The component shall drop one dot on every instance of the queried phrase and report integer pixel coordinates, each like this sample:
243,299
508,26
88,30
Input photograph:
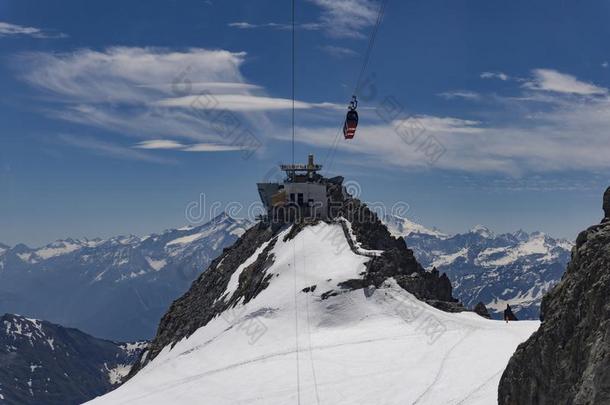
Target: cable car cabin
351,122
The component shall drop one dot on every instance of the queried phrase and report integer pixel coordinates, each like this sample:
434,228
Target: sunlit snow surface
287,346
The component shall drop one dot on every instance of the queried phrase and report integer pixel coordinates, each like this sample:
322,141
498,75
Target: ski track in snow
440,369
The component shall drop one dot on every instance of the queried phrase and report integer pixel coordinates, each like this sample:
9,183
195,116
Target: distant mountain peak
496,269
403,227
521,235
482,230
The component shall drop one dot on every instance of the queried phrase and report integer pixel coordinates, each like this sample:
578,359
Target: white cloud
338,51
338,18
244,25
571,136
201,87
209,147
110,149
128,74
469,95
347,18
150,93
8,29
239,102
159,144
495,75
552,80
197,147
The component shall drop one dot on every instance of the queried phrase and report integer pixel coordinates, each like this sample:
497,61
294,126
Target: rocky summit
250,257
329,310
567,361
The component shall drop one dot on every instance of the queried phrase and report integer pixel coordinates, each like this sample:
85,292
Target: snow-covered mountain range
116,288
512,268
44,363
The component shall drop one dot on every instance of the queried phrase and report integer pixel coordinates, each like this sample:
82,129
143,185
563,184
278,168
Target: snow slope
288,346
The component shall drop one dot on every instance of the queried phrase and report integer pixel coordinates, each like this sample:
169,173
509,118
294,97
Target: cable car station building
303,193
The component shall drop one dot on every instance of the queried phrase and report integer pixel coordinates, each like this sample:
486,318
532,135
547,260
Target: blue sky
472,111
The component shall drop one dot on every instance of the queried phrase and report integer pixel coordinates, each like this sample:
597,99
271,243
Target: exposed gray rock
397,260
606,204
481,309
203,300
567,361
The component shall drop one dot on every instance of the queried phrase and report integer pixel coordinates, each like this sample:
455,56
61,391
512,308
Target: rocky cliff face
606,205
567,361
251,256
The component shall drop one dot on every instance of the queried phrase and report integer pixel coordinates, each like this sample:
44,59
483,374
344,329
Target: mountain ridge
113,288
42,362
514,268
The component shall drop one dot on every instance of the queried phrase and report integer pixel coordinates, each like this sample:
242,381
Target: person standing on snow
508,314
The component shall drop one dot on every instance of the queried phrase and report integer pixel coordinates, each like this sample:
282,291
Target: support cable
331,153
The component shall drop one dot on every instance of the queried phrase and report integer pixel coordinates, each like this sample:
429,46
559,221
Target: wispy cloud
347,18
197,147
210,147
495,75
243,25
8,29
242,103
338,51
159,144
150,93
464,94
552,80
563,131
128,74
110,149
338,18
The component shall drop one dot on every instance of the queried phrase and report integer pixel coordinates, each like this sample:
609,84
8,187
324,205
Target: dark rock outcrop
202,302
606,204
397,260
567,361
481,310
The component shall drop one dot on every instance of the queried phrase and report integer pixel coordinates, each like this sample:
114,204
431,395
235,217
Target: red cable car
351,120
